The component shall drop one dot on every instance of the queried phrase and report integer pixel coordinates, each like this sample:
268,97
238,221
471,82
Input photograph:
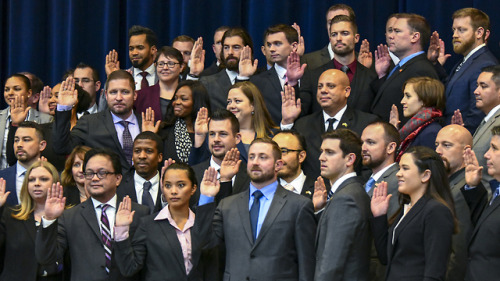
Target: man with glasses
87,77
85,232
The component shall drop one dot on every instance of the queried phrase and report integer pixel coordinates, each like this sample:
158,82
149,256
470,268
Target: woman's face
53,99
77,170
183,102
410,180
411,103
39,181
239,104
166,72
177,188
15,87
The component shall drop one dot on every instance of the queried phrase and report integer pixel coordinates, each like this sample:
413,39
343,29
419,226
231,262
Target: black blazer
127,187
422,242
211,70
9,175
168,136
217,86
317,58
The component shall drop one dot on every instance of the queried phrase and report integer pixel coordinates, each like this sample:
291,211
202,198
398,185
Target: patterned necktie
330,124
147,199
128,143
144,81
254,212
106,236
344,68
459,66
329,195
369,184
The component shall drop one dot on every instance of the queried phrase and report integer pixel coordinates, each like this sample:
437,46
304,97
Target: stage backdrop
47,37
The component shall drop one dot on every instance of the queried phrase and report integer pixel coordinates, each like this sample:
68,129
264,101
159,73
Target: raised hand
68,95
201,127
365,57
230,165
247,67
18,110
55,202
294,70
380,200
167,163
43,102
290,108
457,118
3,194
112,62
320,194
210,186
125,215
148,121
301,47
197,58
394,116
473,172
382,60
433,51
443,56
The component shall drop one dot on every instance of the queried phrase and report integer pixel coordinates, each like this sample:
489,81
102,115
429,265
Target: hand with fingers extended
290,107
473,172
18,110
230,165
457,118
125,215
247,66
55,202
43,103
394,116
320,195
380,200
167,163
148,121
210,185
201,127
365,57
68,95
197,58
382,60
294,71
3,194
112,63
301,47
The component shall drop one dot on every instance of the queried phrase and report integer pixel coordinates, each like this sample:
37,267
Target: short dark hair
495,131
34,125
240,32
147,135
95,73
349,142
276,150
290,33
121,74
106,152
344,18
200,99
478,18
342,7
183,38
418,23
222,114
151,38
495,70
391,134
36,82
300,138
429,90
221,28
23,77
67,73
170,52
184,167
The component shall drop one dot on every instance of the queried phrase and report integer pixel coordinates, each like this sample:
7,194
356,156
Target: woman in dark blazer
164,247
18,226
415,243
72,177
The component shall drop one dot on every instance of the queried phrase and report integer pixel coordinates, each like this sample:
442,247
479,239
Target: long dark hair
200,99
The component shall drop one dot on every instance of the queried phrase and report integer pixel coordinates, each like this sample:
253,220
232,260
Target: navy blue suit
9,175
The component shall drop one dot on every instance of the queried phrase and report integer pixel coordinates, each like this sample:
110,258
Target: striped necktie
106,236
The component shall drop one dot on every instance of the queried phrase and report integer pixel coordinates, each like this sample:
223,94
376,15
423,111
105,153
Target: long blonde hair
27,205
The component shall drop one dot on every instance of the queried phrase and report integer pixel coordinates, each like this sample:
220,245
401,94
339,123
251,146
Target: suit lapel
88,214
487,211
171,238
463,69
346,120
277,204
29,224
110,126
275,80
419,206
244,212
478,134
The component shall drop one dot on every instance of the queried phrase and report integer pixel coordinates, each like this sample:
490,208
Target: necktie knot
124,123
104,207
146,186
330,124
144,74
257,195
344,68
369,184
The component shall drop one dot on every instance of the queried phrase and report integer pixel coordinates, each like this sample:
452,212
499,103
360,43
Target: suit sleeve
11,157
51,242
477,200
305,233
63,137
306,93
130,255
380,236
208,224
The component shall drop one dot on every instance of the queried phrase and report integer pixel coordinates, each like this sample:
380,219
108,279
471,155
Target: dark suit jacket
149,97
269,85
308,187
389,176
9,175
343,241
211,70
168,136
361,96
127,187
217,87
17,241
94,130
312,127
427,136
284,249
389,91
422,242
317,58
77,232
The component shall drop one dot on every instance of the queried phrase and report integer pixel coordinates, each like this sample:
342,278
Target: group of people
331,165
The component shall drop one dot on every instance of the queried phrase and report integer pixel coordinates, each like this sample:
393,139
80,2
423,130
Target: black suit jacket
9,175
269,85
127,187
77,232
317,58
211,70
308,187
217,87
389,91
422,242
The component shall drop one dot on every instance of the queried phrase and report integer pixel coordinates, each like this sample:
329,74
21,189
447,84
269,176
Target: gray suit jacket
481,141
217,86
390,178
317,58
284,249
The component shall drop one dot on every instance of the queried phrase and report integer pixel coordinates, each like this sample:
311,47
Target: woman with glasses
72,177
169,64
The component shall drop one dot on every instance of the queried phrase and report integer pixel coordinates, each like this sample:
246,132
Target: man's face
293,159
185,48
231,50
279,47
374,147
492,157
15,87
342,38
83,77
217,46
120,97
140,53
451,150
401,39
463,36
146,158
389,29
101,189
221,138
27,145
332,94
333,14
333,163
487,95
261,167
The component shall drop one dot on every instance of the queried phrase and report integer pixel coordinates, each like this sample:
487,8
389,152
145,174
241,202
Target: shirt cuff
205,200
467,187
192,78
242,78
121,233
63,107
286,127
46,223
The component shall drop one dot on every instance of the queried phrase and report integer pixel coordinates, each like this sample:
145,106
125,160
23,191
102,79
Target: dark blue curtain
47,37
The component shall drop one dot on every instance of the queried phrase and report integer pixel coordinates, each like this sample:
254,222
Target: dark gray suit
389,176
317,58
481,141
217,86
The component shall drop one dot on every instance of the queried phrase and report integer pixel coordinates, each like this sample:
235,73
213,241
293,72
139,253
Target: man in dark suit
114,128
216,66
471,28
343,37
411,34
142,184
276,240
332,93
293,153
28,145
86,231
87,77
343,241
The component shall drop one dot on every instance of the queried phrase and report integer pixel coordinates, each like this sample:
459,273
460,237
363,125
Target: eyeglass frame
169,64
287,150
101,174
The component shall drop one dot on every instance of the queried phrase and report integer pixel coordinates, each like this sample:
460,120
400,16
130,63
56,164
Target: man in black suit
332,93
293,153
216,66
410,36
343,241
87,77
86,232
343,38
142,184
114,128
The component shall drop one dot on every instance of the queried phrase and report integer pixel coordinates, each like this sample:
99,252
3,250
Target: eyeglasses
170,64
84,80
100,174
286,150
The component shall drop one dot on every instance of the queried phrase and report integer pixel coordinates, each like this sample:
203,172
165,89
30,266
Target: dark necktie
254,212
106,236
329,195
459,66
144,81
344,68
147,199
396,68
495,195
128,143
330,124
369,184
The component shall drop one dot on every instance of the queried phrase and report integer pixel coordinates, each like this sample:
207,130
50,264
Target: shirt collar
330,51
491,113
352,66
381,172
165,214
297,183
338,182
150,70
337,116
154,180
406,59
280,70
111,202
19,169
473,51
232,75
132,119
267,190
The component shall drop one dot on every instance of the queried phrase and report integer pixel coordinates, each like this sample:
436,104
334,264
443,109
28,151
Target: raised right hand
320,195
3,194
210,185
290,108
55,202
112,62
380,200
382,60
68,95
125,215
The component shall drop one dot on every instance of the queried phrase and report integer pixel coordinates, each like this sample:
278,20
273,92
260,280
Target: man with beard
451,143
471,29
217,48
268,231
293,154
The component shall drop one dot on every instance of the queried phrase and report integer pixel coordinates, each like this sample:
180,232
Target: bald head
336,76
333,91
450,144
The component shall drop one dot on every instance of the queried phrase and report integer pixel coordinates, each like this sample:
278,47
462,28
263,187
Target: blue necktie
369,184
495,195
254,212
397,67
